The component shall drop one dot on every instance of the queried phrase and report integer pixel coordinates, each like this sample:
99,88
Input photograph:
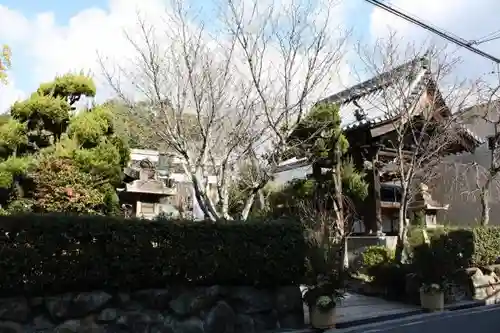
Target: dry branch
221,99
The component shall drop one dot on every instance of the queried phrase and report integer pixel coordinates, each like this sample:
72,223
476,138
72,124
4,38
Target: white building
158,184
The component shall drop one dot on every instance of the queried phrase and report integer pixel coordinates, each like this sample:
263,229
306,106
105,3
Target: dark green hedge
51,253
455,249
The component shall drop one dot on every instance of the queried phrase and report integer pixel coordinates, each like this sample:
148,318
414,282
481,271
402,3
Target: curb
382,318
371,320
465,305
392,316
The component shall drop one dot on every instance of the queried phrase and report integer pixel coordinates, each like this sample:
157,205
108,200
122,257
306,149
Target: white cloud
470,20
57,49
9,94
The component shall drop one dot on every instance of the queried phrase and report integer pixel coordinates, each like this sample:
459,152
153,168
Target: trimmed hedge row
56,253
454,249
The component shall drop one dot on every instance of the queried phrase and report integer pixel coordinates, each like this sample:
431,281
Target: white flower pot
432,301
322,319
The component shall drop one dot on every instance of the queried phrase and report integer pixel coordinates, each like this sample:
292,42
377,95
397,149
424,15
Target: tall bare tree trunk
402,240
485,205
339,212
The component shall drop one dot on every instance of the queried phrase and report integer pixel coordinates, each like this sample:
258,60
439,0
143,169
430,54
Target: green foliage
354,185
391,277
319,134
12,136
439,260
416,235
19,206
385,274
61,187
376,255
104,160
45,254
294,192
69,86
486,245
450,251
88,128
319,137
46,149
419,219
14,167
41,112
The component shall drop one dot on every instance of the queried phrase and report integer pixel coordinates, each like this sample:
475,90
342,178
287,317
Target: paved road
484,319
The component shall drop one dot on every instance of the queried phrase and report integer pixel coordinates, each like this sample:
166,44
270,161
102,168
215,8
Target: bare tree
218,99
485,163
326,231
418,103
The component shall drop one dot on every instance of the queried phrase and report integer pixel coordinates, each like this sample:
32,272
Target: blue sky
68,33
62,9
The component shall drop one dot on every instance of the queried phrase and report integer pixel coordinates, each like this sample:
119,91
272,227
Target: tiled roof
380,97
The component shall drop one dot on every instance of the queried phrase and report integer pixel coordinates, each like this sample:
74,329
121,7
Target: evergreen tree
55,159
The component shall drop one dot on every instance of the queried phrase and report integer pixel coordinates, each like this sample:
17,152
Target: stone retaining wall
214,309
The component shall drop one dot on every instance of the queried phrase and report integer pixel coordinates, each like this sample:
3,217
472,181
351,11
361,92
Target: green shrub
416,237
392,277
455,249
379,263
375,255
58,253
486,246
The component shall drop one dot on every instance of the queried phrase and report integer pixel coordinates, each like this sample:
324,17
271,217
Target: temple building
368,122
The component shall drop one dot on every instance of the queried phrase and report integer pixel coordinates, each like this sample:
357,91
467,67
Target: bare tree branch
419,102
219,99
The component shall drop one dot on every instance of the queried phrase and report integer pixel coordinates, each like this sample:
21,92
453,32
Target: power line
486,40
459,41
415,17
489,37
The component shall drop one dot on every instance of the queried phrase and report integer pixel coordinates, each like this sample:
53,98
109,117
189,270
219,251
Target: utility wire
459,41
485,40
489,37
415,17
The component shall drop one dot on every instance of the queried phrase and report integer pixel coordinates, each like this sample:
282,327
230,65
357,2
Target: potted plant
432,297
322,299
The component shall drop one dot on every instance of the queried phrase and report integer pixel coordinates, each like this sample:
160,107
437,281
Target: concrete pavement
360,308
484,319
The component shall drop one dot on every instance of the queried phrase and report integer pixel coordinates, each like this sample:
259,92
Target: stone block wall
214,309
486,285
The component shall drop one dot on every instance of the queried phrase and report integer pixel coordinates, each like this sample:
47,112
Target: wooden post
373,209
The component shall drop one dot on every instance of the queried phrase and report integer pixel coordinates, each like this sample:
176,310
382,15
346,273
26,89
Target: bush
58,253
392,277
376,255
486,246
453,250
447,253
379,263
416,237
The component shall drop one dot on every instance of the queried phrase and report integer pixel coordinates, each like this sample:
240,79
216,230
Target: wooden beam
387,152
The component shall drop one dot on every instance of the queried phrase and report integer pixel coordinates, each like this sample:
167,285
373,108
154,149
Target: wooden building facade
371,113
